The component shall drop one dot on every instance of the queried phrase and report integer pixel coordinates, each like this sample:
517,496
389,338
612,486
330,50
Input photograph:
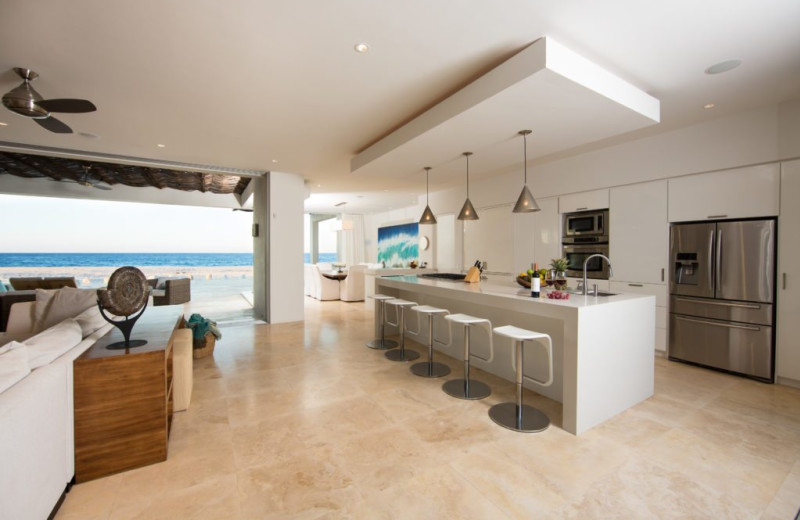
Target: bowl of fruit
524,278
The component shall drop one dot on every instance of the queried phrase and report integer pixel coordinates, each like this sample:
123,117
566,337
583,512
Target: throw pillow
13,365
43,300
90,320
67,302
46,346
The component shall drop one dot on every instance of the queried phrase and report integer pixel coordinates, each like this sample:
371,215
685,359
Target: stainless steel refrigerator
722,294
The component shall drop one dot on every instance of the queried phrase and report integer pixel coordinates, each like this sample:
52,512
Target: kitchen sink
603,293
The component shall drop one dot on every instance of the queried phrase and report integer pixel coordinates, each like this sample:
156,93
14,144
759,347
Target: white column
278,248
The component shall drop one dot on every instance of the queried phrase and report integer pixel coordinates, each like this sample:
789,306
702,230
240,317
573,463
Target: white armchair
351,289
323,288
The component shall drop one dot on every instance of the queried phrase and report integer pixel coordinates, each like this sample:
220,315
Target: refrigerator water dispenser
686,269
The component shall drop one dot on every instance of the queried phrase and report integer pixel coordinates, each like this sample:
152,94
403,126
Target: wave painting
398,245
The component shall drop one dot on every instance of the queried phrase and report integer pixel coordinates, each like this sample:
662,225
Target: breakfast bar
603,346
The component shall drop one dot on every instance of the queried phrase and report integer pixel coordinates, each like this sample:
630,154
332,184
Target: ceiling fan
24,100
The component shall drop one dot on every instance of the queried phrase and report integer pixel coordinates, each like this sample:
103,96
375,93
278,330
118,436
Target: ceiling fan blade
72,106
54,125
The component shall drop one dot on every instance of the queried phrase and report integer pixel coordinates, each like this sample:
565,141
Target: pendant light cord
525,156
467,176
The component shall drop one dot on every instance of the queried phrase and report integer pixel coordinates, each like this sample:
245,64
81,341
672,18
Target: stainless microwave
585,224
578,254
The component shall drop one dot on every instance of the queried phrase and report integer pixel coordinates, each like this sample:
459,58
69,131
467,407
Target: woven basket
204,347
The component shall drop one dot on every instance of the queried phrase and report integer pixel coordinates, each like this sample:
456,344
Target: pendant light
525,203
427,215
467,211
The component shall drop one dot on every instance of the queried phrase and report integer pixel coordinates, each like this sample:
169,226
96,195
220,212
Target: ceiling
276,85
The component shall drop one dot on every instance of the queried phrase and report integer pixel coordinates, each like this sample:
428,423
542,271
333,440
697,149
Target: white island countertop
603,346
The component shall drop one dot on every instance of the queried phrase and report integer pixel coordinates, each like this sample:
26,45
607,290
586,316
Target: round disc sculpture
126,295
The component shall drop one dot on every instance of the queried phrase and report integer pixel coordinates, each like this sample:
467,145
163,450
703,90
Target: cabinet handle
662,274
635,285
783,276
580,209
717,216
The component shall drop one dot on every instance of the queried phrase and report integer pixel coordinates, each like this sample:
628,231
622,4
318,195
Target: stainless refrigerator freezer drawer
723,310
736,347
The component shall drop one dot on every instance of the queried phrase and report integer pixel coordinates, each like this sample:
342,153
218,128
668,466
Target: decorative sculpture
127,294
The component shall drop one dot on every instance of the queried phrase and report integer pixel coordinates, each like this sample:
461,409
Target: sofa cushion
52,307
13,364
90,320
49,344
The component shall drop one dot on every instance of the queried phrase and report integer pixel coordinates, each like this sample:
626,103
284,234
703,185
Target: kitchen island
603,347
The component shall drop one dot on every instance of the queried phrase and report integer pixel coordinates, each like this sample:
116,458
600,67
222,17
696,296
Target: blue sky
50,225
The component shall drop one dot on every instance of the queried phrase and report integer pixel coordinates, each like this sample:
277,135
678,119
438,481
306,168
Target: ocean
136,259
120,259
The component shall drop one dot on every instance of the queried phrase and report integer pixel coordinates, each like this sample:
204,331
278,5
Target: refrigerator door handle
719,324
721,304
718,273
712,237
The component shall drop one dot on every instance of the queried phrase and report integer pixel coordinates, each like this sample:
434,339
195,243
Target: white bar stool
516,416
382,343
465,388
401,354
429,368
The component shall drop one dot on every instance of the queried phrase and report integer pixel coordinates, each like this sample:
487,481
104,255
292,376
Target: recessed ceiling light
3,124
274,161
361,48
161,145
319,185
723,66
709,105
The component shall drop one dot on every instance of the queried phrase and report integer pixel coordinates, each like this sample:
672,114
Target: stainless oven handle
719,324
721,304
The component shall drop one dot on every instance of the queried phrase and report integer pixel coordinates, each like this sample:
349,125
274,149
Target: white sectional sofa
36,418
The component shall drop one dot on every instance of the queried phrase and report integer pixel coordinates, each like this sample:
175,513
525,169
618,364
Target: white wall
756,136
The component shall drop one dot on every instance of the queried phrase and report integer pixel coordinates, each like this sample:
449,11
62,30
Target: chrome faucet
585,263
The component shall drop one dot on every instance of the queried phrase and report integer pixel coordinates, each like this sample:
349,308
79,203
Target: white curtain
352,239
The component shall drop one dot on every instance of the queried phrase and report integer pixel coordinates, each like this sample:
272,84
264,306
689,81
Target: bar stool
516,416
464,388
401,354
429,368
382,343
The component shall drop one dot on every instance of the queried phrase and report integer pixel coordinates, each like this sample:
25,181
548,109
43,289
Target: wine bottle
535,282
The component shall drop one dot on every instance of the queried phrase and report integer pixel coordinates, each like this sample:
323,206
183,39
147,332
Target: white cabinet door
546,232
753,191
585,200
788,327
660,292
639,232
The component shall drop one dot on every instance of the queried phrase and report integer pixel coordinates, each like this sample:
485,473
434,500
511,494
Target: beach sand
98,276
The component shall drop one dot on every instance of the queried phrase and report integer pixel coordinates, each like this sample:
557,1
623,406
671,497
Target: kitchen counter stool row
512,415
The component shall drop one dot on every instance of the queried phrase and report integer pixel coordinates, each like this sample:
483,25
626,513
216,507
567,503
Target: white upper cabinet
639,232
546,232
753,191
585,200
787,362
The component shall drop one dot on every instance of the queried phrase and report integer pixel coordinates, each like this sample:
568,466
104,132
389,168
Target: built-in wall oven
577,253
584,234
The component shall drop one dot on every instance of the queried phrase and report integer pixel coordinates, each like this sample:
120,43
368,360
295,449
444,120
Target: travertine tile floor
302,421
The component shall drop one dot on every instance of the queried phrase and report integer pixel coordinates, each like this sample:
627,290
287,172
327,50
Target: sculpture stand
125,326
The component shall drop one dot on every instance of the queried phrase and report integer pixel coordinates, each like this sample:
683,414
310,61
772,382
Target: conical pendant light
525,203
427,215
467,211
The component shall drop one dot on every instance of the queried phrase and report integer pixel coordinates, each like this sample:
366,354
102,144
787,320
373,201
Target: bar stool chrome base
466,389
430,369
402,355
530,419
382,344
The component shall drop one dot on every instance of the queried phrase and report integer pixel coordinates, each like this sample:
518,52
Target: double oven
584,234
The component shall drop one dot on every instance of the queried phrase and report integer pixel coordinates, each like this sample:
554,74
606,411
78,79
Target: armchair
174,291
351,289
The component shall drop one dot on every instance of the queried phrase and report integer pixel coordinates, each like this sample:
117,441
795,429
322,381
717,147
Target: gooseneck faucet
586,263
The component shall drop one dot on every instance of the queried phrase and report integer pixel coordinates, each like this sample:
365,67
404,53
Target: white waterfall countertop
603,346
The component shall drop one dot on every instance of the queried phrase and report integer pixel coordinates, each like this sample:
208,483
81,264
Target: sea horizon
45,259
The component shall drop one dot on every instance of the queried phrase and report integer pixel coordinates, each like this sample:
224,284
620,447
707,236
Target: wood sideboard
123,398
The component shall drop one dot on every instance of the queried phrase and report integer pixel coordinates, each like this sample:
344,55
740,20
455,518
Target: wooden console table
123,398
